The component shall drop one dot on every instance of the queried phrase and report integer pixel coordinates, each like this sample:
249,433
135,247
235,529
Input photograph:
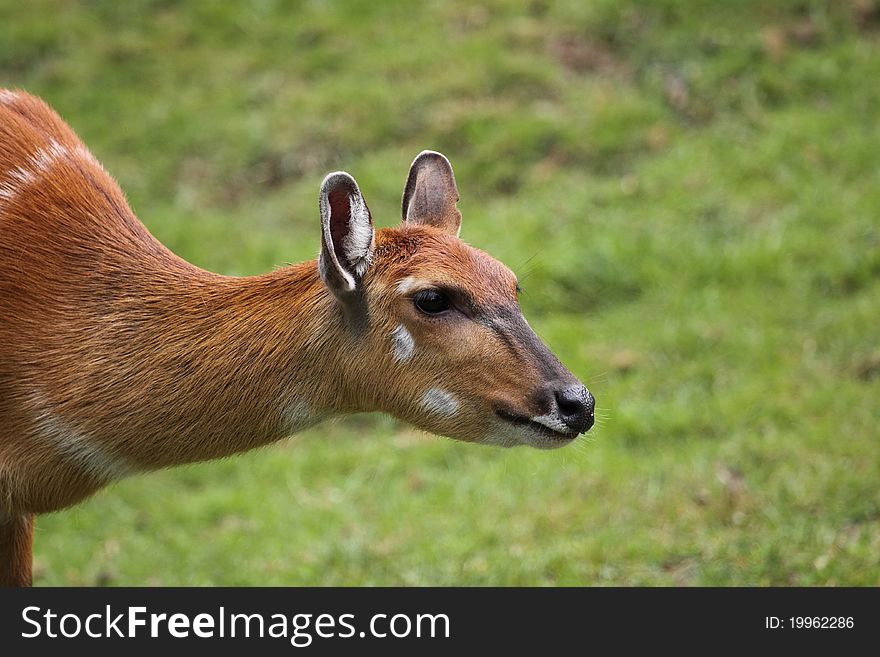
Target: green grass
689,192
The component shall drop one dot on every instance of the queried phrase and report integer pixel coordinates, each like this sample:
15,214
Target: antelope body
118,357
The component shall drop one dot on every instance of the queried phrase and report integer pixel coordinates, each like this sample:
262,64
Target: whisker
600,377
525,264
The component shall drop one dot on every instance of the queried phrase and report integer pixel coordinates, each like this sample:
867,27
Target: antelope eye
431,302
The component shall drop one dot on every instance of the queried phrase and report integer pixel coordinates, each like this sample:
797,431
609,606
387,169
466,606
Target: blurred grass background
689,192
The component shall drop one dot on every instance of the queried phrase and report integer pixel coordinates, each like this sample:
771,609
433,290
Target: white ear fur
347,236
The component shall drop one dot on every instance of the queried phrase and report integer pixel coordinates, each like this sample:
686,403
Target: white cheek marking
551,421
76,446
439,402
298,415
403,344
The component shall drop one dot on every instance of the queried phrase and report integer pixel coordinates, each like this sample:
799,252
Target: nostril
569,402
576,406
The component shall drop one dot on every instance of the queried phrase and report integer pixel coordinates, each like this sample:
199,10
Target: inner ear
340,203
430,194
347,236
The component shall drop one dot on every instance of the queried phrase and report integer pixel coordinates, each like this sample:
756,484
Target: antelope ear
430,194
347,236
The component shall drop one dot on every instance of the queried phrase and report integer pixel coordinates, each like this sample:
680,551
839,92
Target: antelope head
439,336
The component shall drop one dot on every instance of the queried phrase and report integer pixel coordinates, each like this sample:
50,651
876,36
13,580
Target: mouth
559,437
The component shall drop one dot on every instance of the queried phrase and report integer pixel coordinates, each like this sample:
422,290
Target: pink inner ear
340,220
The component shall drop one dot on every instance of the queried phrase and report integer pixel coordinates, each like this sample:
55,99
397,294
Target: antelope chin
514,430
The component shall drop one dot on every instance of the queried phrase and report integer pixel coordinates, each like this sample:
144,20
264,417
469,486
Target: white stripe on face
411,284
402,343
297,415
439,402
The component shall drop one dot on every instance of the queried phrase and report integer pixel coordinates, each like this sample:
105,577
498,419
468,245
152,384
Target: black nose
576,405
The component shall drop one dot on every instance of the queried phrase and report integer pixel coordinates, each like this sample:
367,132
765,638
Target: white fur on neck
76,446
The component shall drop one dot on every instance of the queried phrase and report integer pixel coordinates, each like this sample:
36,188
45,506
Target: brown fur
16,541
116,356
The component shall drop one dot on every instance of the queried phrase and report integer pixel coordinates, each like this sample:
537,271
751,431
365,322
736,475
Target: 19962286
809,622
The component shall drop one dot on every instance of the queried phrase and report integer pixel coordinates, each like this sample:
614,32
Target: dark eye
431,302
